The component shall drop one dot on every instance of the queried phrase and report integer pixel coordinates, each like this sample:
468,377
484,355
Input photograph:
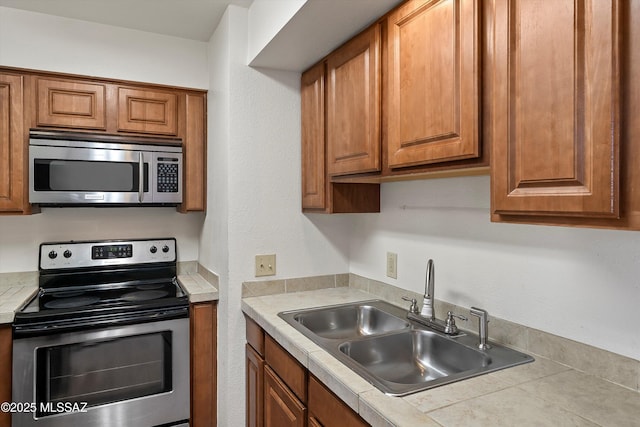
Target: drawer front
326,409
287,367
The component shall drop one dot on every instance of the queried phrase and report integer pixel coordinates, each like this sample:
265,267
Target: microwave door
72,175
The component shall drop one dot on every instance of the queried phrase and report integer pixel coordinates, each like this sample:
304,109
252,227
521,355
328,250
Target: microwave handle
140,176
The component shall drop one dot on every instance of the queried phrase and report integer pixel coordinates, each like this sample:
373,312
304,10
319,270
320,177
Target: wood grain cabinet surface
281,407
204,330
13,146
314,178
147,111
319,194
71,104
432,82
556,100
353,105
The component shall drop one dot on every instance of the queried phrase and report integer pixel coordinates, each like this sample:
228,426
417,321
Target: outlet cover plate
392,265
265,265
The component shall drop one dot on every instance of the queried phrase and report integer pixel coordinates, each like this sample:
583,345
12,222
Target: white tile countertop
542,393
15,290
198,288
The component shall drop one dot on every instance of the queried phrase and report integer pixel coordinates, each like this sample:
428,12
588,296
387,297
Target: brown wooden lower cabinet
281,407
204,319
255,388
325,409
282,393
5,372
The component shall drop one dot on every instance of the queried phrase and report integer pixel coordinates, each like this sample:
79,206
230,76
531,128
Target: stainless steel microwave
83,171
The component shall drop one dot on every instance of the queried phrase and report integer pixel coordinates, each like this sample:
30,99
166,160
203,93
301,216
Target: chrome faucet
427,316
428,309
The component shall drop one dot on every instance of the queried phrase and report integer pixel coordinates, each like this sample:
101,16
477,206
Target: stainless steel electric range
105,342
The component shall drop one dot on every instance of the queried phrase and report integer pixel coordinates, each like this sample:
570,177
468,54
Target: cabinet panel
147,111
195,155
433,82
328,410
556,108
13,145
203,364
281,407
254,388
72,104
287,367
314,179
353,105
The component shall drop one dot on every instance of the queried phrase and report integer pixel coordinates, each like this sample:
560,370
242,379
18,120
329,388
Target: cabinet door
433,82
313,142
556,115
13,145
326,409
147,111
353,105
69,103
281,407
203,364
254,388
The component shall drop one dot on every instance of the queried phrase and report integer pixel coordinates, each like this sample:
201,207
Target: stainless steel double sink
398,356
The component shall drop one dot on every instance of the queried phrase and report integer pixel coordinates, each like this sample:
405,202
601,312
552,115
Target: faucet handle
450,324
414,304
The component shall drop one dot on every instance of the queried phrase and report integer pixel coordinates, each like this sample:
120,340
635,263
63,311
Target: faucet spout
429,283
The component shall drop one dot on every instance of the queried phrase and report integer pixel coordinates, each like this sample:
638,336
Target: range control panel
64,255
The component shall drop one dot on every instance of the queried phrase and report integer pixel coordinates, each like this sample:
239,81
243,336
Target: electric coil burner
107,331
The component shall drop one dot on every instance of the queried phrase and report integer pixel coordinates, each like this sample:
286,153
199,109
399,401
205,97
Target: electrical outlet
392,265
265,265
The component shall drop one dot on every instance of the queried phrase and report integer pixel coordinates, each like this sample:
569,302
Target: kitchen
577,283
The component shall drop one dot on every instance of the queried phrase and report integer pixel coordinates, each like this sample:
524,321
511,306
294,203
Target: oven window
81,175
101,372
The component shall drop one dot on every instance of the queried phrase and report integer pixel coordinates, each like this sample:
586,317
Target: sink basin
350,321
395,354
413,357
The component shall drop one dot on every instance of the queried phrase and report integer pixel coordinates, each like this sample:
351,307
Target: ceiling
189,19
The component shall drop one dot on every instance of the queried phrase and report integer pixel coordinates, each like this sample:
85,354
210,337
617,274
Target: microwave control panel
167,176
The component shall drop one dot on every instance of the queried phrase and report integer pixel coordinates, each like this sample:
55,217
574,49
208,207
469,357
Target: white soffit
316,29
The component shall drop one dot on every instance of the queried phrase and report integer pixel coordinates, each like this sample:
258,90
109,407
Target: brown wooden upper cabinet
353,105
13,147
432,80
313,124
556,103
147,111
71,104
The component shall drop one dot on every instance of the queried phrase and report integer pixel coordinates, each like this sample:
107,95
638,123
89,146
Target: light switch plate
265,265
392,265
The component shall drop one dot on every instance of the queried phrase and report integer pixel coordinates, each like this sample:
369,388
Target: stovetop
93,284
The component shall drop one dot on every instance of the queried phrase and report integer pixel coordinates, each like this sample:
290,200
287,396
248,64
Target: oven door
130,376
87,172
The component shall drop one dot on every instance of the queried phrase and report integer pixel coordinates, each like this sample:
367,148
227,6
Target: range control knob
165,249
53,255
153,249
67,253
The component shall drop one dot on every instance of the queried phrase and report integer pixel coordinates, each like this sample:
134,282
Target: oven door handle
48,328
140,176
